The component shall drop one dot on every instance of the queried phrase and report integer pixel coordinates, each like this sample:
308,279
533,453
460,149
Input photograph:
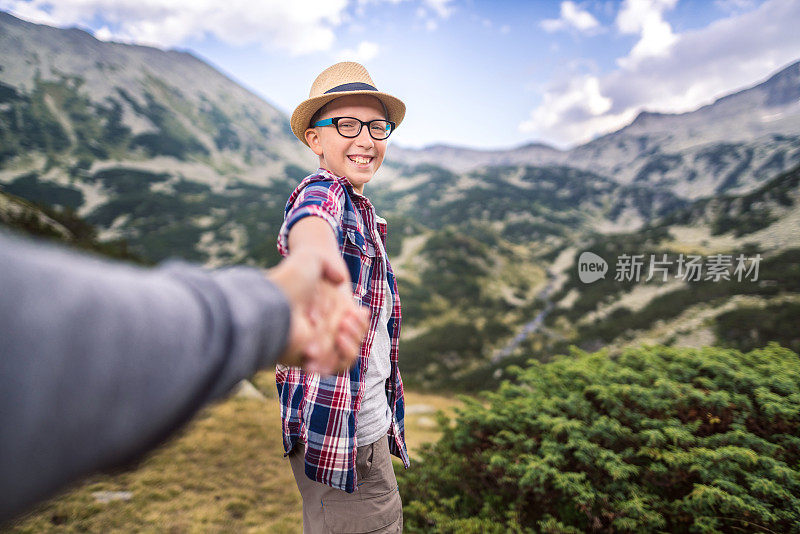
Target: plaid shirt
322,411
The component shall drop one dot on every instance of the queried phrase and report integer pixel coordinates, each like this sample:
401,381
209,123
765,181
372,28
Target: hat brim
306,109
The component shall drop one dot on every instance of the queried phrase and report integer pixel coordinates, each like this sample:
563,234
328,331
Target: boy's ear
312,137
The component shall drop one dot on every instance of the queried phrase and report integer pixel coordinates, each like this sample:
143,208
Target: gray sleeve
101,361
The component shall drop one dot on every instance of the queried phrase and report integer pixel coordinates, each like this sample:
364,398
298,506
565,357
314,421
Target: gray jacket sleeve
101,361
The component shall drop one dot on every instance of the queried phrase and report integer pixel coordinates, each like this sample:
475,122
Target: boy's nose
364,139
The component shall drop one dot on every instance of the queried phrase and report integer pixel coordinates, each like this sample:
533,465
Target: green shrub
660,439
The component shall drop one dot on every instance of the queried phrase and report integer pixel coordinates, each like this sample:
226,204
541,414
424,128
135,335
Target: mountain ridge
735,143
41,52
781,75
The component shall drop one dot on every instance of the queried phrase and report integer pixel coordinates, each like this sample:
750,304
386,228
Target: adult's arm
101,361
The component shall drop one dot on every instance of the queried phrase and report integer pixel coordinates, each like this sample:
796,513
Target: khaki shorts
374,507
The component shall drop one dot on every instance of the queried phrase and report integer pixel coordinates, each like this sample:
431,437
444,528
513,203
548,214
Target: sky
480,74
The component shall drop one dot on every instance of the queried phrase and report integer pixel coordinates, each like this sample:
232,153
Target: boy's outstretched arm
313,238
316,234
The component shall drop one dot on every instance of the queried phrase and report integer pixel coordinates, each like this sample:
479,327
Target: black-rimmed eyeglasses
378,129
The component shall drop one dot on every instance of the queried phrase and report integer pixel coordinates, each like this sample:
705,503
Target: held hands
327,326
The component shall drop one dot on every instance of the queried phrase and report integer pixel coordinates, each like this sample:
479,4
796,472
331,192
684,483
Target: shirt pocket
359,254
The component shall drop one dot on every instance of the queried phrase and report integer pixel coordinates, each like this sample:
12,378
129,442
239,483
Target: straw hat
341,79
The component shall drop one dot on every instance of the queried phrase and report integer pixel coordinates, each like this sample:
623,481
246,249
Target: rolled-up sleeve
323,199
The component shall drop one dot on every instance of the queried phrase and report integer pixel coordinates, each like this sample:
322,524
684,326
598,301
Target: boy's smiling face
336,152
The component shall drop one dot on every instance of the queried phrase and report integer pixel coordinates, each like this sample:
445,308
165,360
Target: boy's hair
317,114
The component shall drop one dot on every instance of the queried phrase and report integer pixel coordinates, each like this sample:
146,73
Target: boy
340,430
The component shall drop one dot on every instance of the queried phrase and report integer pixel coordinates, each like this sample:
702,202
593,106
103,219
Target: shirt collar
345,183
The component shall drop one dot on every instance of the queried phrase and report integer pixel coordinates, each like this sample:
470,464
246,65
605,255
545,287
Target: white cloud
645,18
299,27
29,11
365,51
440,7
571,17
576,100
104,34
696,68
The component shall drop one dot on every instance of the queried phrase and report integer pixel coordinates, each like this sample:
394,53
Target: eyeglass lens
350,127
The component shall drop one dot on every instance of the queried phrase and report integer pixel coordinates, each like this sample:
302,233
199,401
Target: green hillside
149,146
742,214
57,143
472,248
738,312
476,249
779,274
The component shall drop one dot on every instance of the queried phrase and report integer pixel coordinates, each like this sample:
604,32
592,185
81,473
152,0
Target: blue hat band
352,86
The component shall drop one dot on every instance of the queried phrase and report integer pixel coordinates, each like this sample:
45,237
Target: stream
533,325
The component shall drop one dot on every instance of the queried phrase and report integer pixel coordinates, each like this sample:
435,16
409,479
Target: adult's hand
327,326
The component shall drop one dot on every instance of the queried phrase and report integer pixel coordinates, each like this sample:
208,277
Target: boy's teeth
360,160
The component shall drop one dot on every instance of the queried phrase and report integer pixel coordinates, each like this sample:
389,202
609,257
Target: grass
420,419
224,473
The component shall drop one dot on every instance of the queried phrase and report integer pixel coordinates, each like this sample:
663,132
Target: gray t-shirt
101,361
375,415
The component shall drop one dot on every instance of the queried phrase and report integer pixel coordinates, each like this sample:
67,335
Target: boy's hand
339,326
327,326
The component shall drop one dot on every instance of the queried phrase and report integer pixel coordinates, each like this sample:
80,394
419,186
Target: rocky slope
731,145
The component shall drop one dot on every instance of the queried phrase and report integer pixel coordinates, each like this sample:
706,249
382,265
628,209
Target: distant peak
644,116
536,145
791,71
439,146
445,147
782,87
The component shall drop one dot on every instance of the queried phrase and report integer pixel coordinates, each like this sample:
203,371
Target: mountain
485,252
731,145
153,153
155,147
170,103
